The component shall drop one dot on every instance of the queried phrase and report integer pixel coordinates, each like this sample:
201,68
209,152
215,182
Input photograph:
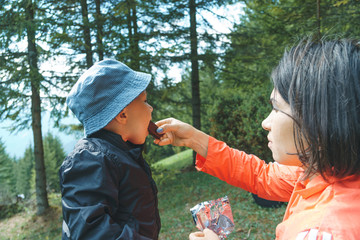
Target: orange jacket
316,210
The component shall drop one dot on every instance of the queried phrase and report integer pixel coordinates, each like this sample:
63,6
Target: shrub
9,210
236,119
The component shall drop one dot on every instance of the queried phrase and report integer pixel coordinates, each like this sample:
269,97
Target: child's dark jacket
107,191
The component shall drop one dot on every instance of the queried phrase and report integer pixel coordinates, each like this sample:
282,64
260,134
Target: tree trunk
129,26
135,40
99,30
87,36
195,83
35,77
133,35
318,19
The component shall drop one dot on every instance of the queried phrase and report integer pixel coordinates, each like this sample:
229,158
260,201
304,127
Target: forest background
223,88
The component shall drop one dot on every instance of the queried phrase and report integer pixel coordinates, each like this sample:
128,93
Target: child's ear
122,116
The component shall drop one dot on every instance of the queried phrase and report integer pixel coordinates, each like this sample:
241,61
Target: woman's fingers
175,132
164,121
210,234
207,234
163,141
196,235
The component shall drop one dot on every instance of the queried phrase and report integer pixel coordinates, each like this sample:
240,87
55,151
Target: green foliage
25,170
54,155
9,210
8,204
236,119
289,19
16,77
24,173
268,27
7,180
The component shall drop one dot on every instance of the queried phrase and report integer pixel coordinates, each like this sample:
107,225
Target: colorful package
215,215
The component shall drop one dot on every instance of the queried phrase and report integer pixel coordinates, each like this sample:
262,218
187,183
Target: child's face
139,116
281,132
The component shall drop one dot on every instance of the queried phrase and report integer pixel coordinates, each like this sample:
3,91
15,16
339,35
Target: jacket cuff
200,160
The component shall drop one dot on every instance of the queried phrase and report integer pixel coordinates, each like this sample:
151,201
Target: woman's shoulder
342,215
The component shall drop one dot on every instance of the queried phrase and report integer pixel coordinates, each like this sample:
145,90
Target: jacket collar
116,140
308,188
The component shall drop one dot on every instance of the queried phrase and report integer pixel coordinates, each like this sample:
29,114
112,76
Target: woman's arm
270,181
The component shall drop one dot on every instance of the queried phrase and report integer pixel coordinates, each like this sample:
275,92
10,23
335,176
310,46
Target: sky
16,143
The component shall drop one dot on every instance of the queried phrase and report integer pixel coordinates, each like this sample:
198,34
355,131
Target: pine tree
7,179
25,89
54,156
24,169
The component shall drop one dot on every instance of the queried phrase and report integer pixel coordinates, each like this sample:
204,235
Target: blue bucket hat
103,91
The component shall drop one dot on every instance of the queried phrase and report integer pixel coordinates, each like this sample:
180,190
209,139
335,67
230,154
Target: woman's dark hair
320,80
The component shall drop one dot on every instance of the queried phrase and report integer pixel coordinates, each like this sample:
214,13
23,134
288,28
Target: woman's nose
266,123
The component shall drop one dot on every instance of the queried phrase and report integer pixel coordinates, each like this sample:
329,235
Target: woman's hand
207,234
178,133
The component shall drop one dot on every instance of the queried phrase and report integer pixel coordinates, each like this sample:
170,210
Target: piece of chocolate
152,130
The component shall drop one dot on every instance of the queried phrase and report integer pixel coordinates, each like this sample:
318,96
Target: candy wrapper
215,215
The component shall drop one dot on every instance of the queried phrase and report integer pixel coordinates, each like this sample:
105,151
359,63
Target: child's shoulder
98,147
89,144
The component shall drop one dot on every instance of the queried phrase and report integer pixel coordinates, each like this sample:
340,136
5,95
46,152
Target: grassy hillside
184,191
26,225
176,161
178,192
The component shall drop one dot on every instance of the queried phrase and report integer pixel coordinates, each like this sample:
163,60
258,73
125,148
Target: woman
314,136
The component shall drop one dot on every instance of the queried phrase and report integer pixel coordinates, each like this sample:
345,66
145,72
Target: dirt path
12,226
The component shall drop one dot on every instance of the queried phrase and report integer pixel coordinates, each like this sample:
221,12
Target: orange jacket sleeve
270,181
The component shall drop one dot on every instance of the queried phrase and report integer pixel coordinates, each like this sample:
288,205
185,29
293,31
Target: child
106,186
